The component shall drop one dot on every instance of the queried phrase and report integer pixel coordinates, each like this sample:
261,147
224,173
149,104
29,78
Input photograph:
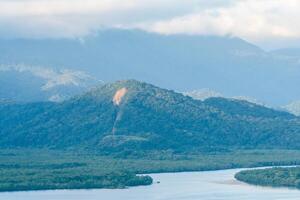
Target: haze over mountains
24,83
228,65
288,53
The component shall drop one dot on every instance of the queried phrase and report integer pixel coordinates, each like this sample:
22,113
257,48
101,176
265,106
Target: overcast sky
268,23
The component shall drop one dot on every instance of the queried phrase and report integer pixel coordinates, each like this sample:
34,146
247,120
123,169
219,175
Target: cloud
254,20
65,7
61,7
74,18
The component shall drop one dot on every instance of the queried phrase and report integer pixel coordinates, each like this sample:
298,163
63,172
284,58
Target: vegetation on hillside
28,169
275,177
148,118
149,130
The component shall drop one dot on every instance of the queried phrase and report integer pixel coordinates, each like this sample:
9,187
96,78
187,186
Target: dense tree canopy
275,177
147,118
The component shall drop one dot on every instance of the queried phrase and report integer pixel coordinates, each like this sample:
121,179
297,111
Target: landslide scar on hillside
119,96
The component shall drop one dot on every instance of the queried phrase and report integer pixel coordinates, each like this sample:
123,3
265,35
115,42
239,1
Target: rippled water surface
214,185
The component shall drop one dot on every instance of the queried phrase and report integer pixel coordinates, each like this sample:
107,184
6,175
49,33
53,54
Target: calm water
215,185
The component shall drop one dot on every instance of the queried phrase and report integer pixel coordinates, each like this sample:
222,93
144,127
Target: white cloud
61,7
73,18
255,20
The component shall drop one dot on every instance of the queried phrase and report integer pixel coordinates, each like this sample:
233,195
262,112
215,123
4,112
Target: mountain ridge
148,118
178,62
25,83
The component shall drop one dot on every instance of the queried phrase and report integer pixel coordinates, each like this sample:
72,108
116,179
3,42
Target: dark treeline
275,177
27,169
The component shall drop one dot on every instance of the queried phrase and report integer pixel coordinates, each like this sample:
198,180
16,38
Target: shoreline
262,179
149,174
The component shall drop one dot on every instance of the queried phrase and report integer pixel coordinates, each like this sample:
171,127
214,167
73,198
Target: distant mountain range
206,93
203,94
229,65
23,83
288,54
128,116
293,108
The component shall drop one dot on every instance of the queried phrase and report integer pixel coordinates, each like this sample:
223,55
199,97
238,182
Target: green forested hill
146,118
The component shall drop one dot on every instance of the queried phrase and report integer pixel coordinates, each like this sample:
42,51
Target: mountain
293,108
229,65
288,53
203,94
206,93
245,108
22,83
130,116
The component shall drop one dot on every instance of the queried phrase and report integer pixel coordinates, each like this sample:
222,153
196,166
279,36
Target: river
211,185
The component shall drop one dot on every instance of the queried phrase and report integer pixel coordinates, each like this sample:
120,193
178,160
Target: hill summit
133,116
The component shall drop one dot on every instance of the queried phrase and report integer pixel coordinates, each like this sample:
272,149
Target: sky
270,24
